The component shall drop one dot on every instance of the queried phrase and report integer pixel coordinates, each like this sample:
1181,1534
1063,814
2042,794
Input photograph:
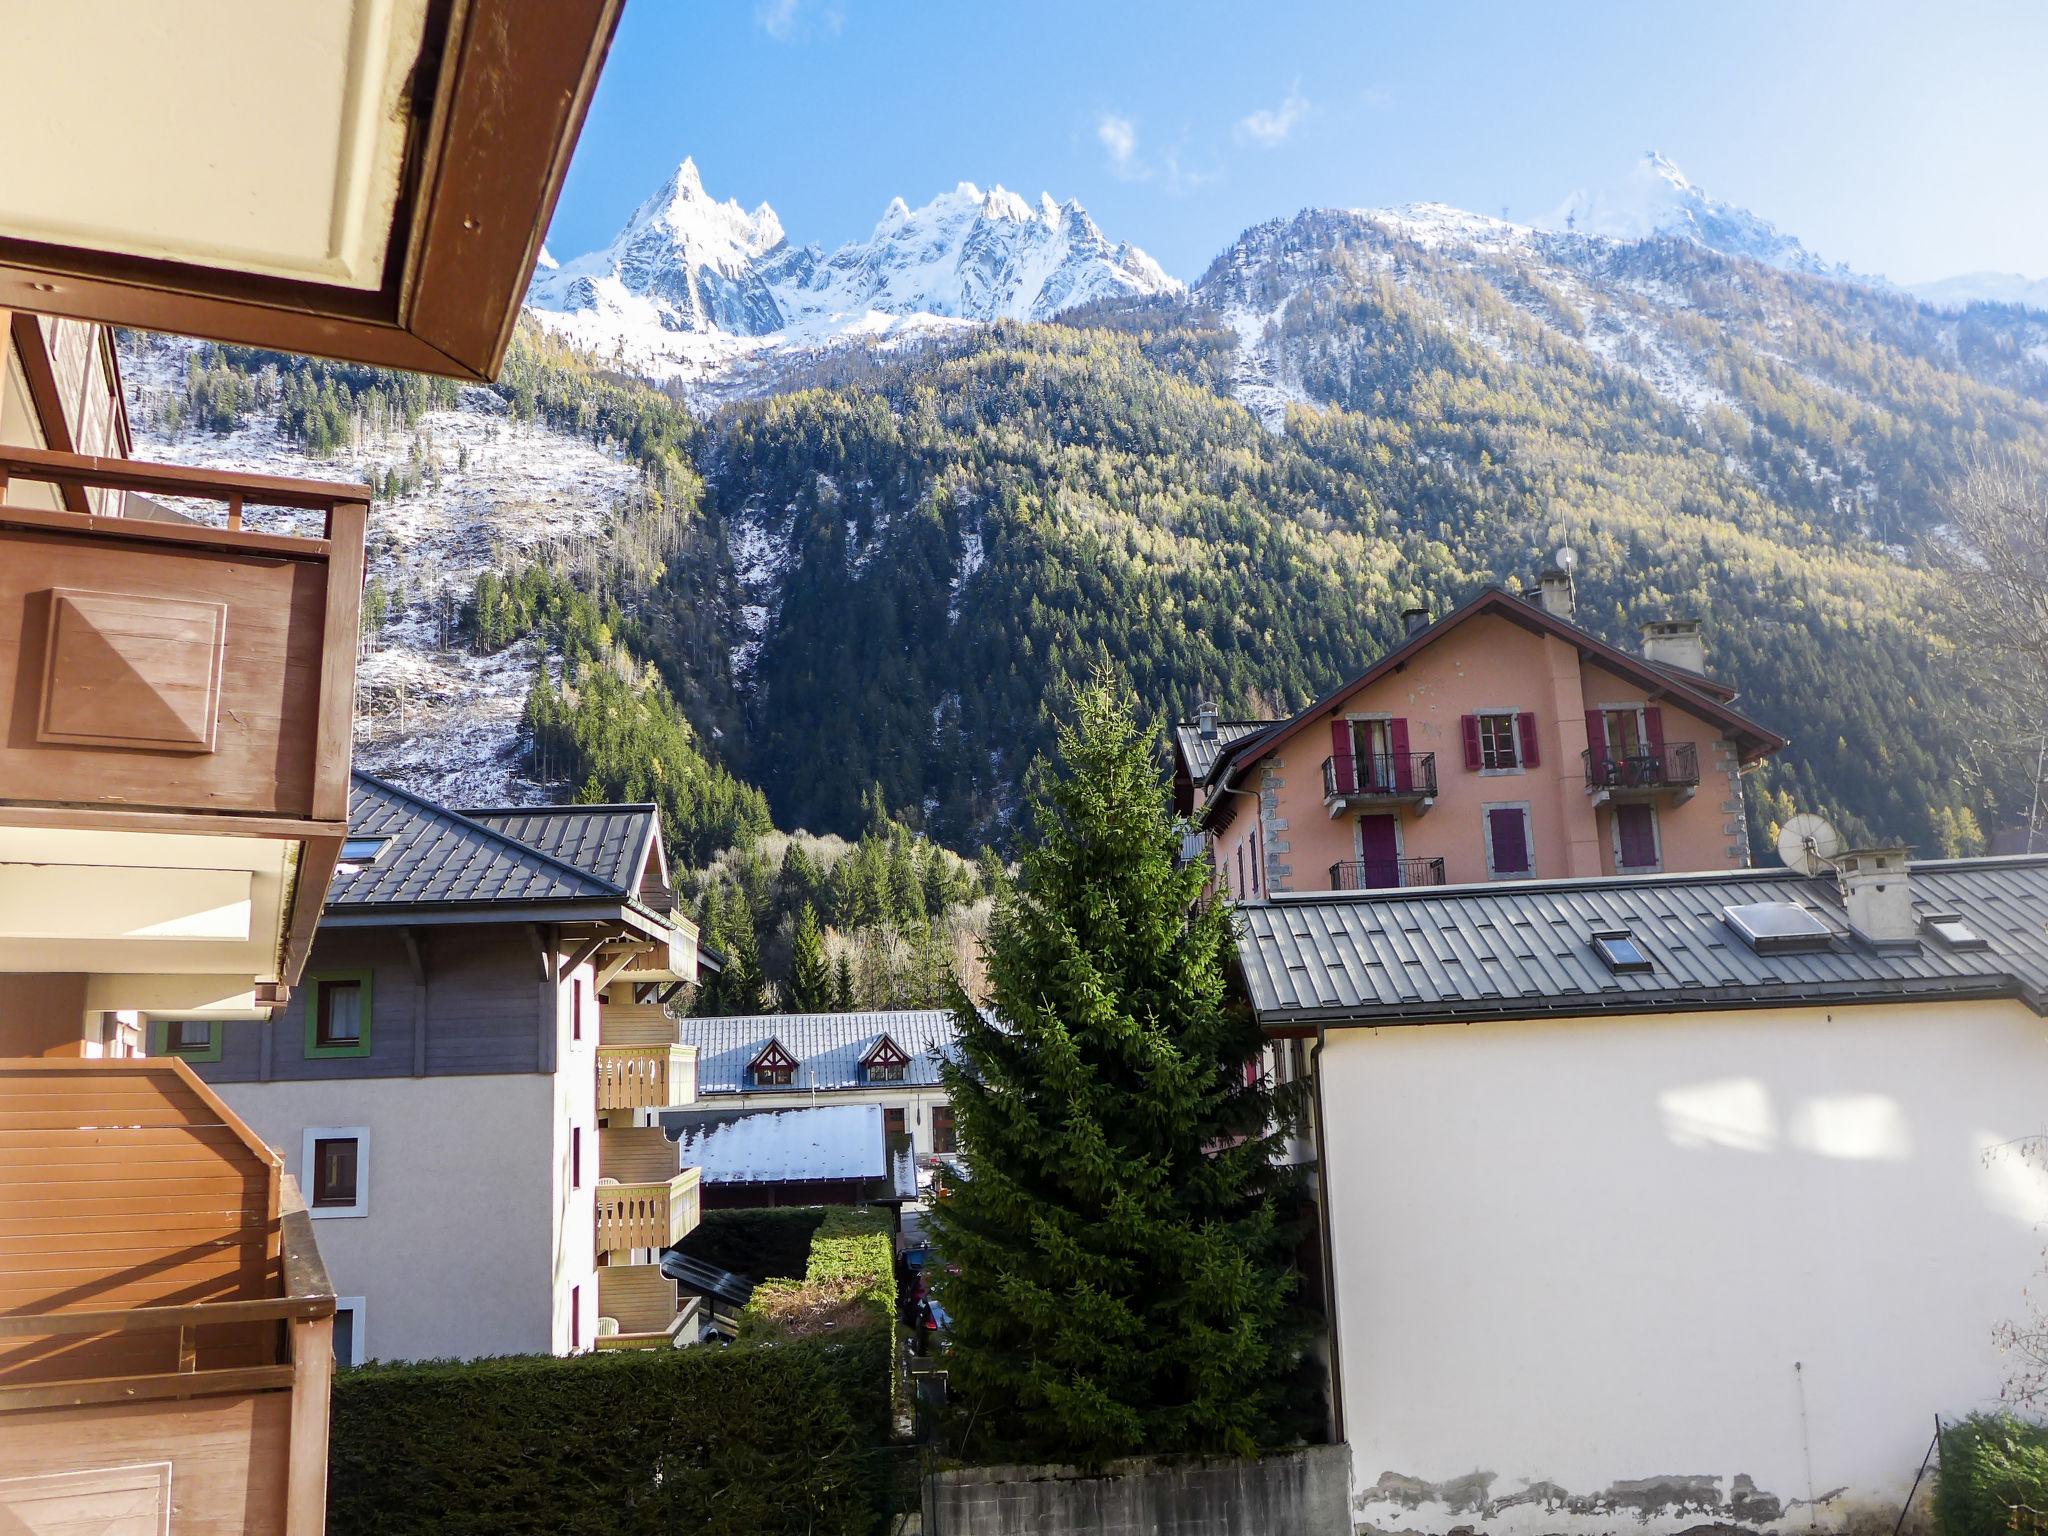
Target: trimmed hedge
787,1432
1989,1463
763,1244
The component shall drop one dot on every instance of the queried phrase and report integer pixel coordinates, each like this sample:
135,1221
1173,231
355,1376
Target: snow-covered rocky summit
1655,199
1983,288
692,285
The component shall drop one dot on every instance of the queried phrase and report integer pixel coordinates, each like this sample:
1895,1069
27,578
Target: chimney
1554,586
1414,619
1676,643
1877,890
1206,715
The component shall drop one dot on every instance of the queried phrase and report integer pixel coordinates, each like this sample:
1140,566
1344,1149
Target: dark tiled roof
828,1046
1523,949
607,840
1199,753
435,856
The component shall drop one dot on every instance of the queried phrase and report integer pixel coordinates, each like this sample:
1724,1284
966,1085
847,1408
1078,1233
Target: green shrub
786,1432
1989,1463
764,1244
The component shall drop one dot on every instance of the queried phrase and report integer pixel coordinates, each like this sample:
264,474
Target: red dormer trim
884,1062
773,1067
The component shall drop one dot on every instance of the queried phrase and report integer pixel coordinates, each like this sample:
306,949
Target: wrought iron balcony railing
1674,765
1380,775
1384,874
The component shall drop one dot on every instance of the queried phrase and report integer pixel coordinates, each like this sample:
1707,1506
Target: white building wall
1687,1268
451,1258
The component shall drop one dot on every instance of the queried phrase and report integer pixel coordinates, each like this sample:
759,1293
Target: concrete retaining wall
1293,1493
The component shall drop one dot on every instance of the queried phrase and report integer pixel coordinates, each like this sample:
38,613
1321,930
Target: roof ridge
449,813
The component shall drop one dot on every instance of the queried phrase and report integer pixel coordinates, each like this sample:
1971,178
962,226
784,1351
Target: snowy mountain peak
1655,199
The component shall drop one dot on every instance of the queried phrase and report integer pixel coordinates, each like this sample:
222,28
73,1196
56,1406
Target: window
337,1171
575,1317
885,1072
1636,848
893,1123
1954,932
1499,746
575,1157
1509,854
576,1008
1779,927
348,1330
362,850
193,1039
943,1139
338,1014
884,1062
1621,952
774,1067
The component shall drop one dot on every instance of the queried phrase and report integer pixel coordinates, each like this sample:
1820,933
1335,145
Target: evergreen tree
842,983
810,978
1124,1239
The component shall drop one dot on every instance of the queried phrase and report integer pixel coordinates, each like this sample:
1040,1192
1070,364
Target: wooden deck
644,1200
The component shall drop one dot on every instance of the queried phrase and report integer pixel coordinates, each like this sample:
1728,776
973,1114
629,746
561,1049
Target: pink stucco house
1501,742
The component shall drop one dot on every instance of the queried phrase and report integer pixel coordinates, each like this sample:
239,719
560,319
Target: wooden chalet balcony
173,674
1378,779
1647,773
640,1065
644,1199
164,1317
644,1303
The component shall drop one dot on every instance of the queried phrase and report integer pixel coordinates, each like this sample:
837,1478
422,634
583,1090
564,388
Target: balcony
1378,780
1385,874
644,1199
639,1063
644,1308
1646,773
176,697
164,1316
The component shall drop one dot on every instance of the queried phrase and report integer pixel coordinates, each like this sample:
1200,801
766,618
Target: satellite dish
1809,843
1567,558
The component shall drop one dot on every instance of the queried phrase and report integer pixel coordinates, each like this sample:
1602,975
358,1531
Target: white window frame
1656,840
1636,707
1514,736
1528,838
314,1133
358,1307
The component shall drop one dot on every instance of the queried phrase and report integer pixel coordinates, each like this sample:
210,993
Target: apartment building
1501,742
177,653
464,1083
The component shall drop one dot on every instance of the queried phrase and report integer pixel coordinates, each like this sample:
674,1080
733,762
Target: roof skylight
362,850
1778,927
1617,946
1954,932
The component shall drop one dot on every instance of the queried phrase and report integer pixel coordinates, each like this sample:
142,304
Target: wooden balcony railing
646,1076
644,1305
1384,874
1383,776
650,1214
1643,770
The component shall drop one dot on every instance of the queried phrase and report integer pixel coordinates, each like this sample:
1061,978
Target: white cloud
1119,136
1180,180
1269,127
786,22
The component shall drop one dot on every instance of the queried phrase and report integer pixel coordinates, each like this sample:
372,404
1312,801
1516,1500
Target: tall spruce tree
810,977
1123,1243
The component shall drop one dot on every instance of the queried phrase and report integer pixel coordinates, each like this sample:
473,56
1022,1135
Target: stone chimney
1414,619
1877,890
1676,643
1554,587
1206,715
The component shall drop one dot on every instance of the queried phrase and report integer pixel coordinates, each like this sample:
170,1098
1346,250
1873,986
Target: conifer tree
842,983
1123,1241
810,978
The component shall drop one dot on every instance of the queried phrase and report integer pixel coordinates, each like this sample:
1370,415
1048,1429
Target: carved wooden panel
132,670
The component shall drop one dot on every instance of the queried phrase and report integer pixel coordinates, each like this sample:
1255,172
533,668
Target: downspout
1315,1074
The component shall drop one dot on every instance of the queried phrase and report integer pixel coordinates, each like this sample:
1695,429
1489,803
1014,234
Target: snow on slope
1983,288
700,290
442,722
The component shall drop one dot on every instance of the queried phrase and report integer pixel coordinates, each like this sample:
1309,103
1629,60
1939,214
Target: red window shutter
575,1317
576,1010
1525,728
1397,739
1510,841
1653,731
575,1157
1340,751
1596,741
1636,830
1255,861
1469,724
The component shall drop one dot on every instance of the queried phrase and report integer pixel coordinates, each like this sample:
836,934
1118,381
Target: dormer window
884,1062
773,1068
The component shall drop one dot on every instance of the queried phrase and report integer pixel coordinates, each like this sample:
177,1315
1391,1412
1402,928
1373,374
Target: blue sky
1910,140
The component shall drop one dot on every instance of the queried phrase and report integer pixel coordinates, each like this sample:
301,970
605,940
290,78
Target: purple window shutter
1469,724
1510,841
1636,828
1255,861
1404,772
1596,740
1653,732
1525,727
1340,749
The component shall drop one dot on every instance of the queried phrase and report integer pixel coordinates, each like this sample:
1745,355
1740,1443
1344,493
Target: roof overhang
361,179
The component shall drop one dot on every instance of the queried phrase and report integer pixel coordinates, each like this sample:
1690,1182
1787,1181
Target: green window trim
317,983
160,1040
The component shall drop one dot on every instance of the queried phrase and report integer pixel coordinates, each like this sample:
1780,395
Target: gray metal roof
1199,751
785,1146
1445,953
435,856
828,1046
608,840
